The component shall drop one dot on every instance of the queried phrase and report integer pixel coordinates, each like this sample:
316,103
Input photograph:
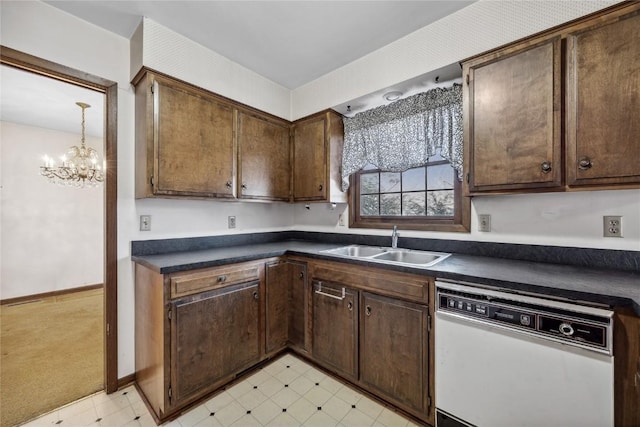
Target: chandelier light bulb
81,169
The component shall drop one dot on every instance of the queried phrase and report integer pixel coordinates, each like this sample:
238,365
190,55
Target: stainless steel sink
410,257
388,255
357,251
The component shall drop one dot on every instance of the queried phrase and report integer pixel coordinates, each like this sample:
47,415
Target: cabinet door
277,306
194,152
310,159
264,157
298,306
603,103
512,122
394,351
626,347
335,328
213,336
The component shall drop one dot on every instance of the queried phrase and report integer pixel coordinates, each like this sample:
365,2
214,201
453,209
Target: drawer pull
320,187
320,292
222,278
350,305
545,167
368,310
584,163
256,295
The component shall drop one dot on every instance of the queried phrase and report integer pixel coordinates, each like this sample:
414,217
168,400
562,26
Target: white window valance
405,133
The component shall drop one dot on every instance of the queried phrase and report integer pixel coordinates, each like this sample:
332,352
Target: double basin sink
408,257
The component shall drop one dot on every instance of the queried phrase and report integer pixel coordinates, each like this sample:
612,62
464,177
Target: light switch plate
484,223
145,222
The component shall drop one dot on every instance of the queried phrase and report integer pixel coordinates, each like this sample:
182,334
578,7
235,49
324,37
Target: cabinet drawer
394,284
186,284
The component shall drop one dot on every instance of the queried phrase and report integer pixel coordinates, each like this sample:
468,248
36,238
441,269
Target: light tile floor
287,392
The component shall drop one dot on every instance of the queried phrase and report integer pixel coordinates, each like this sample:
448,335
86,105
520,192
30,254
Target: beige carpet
52,354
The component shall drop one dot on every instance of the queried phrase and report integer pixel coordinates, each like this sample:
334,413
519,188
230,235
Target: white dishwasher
508,360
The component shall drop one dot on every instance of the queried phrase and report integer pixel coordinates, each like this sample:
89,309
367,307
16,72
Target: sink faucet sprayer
394,237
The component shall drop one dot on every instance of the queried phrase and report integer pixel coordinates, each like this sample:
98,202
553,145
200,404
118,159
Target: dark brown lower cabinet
335,328
196,331
298,307
278,294
394,357
213,334
626,349
286,306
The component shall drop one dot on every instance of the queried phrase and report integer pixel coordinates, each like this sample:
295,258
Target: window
423,198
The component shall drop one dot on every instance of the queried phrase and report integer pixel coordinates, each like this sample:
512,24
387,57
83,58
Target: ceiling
289,42
34,100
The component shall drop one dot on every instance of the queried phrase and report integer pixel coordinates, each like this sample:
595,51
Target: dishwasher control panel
548,320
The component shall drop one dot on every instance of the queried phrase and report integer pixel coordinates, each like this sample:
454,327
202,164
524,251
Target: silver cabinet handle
350,305
301,276
584,163
222,278
545,167
368,310
320,292
320,187
228,184
256,295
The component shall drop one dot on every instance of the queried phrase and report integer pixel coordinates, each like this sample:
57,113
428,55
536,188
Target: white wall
193,218
44,31
52,236
164,50
481,26
560,219
41,30
555,219
573,219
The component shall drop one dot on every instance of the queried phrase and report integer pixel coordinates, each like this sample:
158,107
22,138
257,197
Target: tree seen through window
425,191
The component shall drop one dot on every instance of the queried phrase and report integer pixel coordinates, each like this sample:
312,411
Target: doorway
107,90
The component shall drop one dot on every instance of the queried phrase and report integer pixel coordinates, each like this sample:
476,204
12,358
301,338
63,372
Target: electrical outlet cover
612,226
484,223
232,222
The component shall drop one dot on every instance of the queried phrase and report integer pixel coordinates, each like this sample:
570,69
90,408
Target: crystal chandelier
80,167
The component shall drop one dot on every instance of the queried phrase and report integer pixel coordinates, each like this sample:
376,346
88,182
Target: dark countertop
611,287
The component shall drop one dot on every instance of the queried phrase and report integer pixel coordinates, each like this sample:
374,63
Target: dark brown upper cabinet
603,103
264,157
557,111
317,156
185,141
513,119
192,143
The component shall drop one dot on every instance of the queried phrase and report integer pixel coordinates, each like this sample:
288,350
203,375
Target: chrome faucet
394,237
